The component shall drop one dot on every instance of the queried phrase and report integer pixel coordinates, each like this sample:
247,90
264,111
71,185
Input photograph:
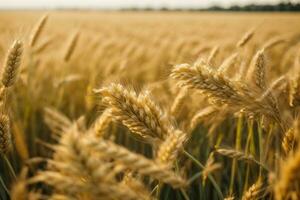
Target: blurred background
83,45
249,5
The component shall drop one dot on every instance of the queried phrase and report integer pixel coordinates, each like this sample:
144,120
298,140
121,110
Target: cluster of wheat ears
210,129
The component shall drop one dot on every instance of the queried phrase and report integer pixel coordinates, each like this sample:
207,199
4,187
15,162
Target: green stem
184,194
158,190
3,185
194,177
268,143
167,193
154,189
247,150
260,145
237,147
11,169
210,177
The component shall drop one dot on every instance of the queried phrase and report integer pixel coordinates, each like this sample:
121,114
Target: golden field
149,105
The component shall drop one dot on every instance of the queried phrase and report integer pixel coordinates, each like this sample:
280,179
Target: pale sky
126,3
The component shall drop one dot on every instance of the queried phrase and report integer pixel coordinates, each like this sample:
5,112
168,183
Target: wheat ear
259,70
20,190
169,149
137,162
288,182
12,64
213,54
79,169
57,121
229,198
228,62
136,111
5,135
102,123
273,42
254,191
288,141
36,32
179,101
221,89
246,38
239,155
71,46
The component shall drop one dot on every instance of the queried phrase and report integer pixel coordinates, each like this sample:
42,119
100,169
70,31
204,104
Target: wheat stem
210,177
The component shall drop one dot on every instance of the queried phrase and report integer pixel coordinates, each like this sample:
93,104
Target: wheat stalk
246,38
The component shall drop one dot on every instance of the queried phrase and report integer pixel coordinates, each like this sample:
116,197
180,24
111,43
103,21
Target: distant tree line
280,7
253,7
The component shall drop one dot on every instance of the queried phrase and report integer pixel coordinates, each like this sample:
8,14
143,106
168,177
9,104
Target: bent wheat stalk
136,162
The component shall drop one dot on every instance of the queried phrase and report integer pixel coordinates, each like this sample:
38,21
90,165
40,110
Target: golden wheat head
12,64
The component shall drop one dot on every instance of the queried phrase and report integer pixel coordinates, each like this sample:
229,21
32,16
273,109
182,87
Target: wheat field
149,105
